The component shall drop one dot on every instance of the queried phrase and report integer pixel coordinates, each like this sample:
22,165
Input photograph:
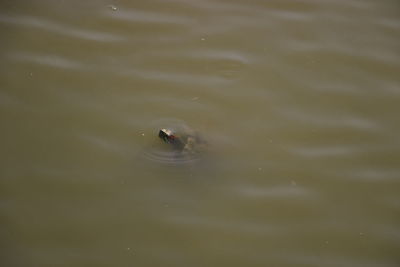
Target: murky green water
298,102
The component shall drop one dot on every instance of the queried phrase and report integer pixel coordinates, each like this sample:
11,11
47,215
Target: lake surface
298,102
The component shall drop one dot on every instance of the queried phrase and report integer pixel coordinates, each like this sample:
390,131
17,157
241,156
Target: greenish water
298,102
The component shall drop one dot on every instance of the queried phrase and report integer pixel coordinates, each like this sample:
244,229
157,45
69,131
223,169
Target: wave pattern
297,100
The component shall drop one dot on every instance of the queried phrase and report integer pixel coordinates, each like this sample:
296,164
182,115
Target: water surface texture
298,102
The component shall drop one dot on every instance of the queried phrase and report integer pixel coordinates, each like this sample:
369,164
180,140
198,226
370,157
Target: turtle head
166,135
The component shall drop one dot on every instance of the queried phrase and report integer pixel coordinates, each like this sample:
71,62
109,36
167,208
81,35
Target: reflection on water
297,102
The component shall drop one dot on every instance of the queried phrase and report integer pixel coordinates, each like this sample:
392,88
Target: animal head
166,135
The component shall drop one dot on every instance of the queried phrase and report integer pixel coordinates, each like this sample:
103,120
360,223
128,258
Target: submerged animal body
187,142
168,137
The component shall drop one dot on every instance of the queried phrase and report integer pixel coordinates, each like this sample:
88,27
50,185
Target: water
298,101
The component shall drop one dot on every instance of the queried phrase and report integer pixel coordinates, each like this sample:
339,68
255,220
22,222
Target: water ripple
111,146
58,28
175,77
233,226
142,16
273,192
331,121
239,57
48,60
